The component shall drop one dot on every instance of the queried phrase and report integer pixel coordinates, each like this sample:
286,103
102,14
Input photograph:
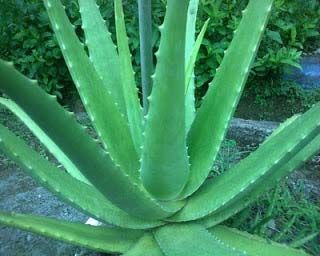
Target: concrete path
309,77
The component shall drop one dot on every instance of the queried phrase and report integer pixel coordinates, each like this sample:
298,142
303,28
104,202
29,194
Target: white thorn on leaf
269,8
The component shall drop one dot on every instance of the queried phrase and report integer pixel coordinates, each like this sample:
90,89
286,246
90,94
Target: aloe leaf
111,126
191,239
164,168
190,45
103,239
252,245
282,126
102,50
255,169
193,57
213,117
145,246
134,110
262,186
91,160
45,140
82,196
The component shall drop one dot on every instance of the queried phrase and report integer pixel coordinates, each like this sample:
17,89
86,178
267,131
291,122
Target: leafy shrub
26,37
275,100
297,22
294,27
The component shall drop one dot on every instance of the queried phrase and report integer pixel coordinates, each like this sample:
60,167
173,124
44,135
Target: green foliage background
26,38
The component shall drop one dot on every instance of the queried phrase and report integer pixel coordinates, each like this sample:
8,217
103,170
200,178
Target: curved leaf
103,239
190,240
213,117
102,50
145,246
112,127
45,139
193,58
268,182
251,244
164,167
130,91
189,51
91,160
253,170
82,196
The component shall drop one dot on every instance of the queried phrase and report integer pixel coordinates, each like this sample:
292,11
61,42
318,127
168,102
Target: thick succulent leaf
103,239
82,196
190,240
190,44
45,139
213,117
193,57
91,160
266,161
102,51
262,186
252,245
111,126
282,126
164,168
145,246
130,93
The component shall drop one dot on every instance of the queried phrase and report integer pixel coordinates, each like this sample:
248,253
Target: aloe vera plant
146,176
